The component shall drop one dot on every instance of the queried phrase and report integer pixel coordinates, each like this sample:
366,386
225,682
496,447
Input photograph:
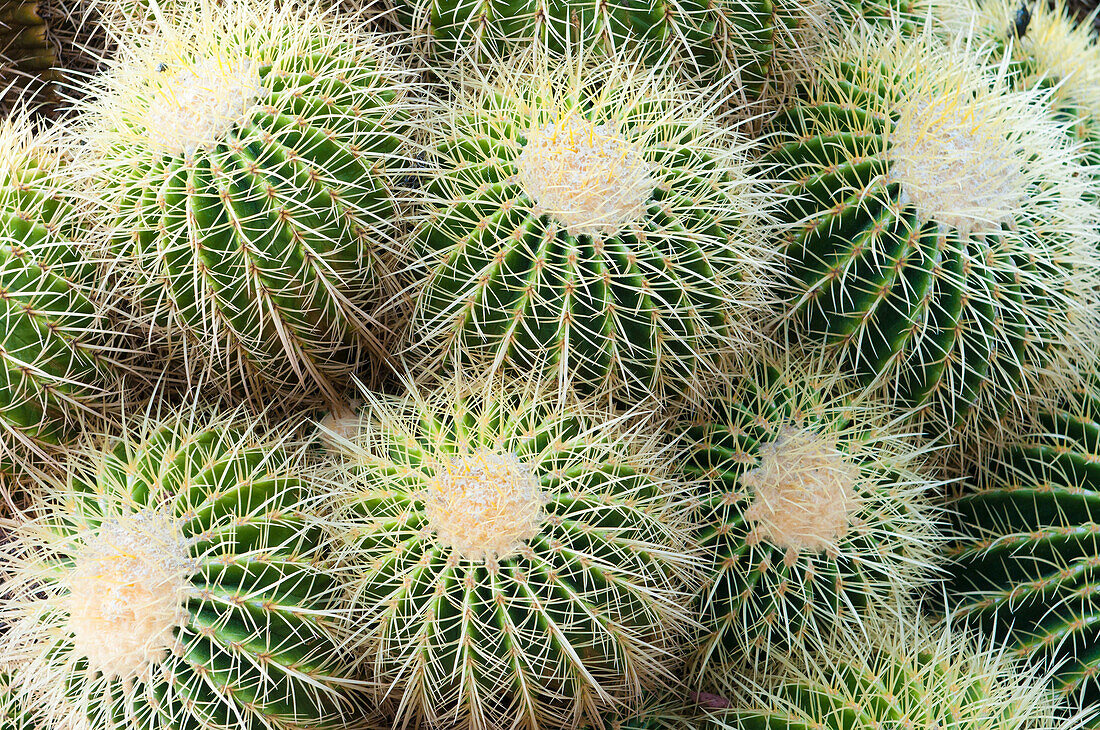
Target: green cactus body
27,56
247,178
176,583
812,511
1024,561
745,41
508,564
908,15
920,677
941,237
56,372
593,221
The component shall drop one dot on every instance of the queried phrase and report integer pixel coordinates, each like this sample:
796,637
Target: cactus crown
584,174
955,163
804,491
196,105
126,593
484,505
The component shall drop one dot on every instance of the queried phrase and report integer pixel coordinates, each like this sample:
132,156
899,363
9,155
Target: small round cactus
509,563
245,159
902,675
1023,563
812,509
59,368
594,221
176,582
941,241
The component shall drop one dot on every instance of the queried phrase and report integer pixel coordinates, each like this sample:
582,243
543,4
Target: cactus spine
747,44
244,158
57,367
901,674
509,563
592,220
942,240
812,509
1027,543
176,582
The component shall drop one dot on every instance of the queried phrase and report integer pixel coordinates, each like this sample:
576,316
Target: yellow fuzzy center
126,594
484,506
194,106
585,175
804,492
955,164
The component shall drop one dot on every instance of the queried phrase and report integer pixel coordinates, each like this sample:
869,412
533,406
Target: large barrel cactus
175,582
812,509
942,242
508,563
1023,565
58,369
245,160
592,220
900,675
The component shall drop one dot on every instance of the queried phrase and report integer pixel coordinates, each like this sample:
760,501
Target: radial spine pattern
244,158
813,510
509,564
176,582
942,243
594,221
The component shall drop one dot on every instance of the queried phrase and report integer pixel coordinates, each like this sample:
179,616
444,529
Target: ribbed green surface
262,253
867,688
23,44
906,14
255,649
1025,563
12,716
950,318
586,606
758,595
705,37
645,309
54,373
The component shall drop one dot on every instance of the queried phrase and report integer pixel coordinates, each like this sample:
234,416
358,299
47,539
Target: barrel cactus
176,581
812,509
1022,564
509,563
593,220
245,161
903,675
943,243
61,363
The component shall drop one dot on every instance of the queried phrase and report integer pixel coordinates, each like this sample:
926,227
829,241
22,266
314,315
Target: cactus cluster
436,365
